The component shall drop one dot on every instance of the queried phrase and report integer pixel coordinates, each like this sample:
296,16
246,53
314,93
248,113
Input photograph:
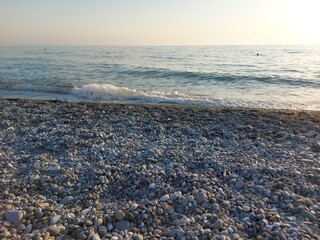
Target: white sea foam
109,93
112,93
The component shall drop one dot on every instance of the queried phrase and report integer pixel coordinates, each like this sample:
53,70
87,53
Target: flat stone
175,233
165,198
122,225
34,177
307,214
119,215
103,230
53,230
28,228
67,200
94,236
201,196
55,219
246,209
54,168
310,134
147,202
239,185
184,201
281,134
7,207
286,195
13,215
130,217
137,237
175,196
217,225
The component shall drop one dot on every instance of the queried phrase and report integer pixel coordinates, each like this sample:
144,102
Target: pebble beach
120,171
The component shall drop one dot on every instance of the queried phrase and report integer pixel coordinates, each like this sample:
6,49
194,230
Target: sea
271,76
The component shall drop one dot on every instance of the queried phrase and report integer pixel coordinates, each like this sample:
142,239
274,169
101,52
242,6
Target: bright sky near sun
162,22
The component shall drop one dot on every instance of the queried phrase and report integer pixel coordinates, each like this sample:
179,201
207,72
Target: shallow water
279,77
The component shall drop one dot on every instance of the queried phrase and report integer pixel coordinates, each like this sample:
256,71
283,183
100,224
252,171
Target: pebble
13,215
307,214
311,133
53,230
246,208
217,225
67,200
54,168
55,219
137,237
165,198
200,197
7,207
28,228
122,225
119,215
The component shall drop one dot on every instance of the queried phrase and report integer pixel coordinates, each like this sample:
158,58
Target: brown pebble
7,207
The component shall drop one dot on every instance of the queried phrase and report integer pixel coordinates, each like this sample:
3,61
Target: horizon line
155,45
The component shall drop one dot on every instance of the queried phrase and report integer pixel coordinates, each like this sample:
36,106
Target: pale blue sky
162,22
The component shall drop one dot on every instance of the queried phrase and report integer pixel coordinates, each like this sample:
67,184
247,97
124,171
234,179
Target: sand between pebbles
112,171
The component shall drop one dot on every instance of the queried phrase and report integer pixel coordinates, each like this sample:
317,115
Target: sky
161,22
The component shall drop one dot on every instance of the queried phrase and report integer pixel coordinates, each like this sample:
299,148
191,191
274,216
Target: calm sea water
279,77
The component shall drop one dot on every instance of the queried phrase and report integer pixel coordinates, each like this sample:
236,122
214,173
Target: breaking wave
115,94
109,92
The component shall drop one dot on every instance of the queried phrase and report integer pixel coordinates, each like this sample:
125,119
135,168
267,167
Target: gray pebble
13,215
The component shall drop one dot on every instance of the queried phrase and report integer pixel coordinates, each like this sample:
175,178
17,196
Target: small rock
175,196
53,230
55,219
176,233
122,225
119,215
34,177
13,215
138,237
112,155
246,209
89,223
286,195
307,214
184,201
7,207
66,200
103,230
28,228
130,217
94,236
310,133
217,225
55,168
165,198
21,227
239,185
201,196
147,202
281,134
